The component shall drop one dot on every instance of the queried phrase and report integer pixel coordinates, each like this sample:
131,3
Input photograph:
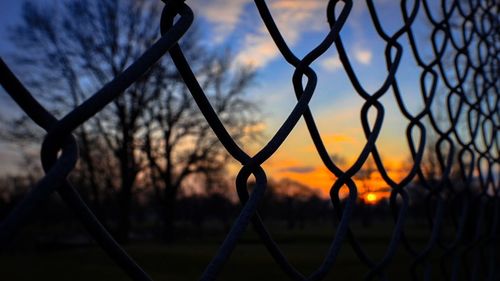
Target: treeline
152,138
286,202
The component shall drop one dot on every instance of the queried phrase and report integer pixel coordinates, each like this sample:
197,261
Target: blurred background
157,177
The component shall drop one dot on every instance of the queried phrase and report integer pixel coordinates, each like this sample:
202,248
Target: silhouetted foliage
154,130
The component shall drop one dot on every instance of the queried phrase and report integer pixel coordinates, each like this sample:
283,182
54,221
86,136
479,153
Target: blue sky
335,104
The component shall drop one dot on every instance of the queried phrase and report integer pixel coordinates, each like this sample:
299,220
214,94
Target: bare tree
179,142
365,175
72,49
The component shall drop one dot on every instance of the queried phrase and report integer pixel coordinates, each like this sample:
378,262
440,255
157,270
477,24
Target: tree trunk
128,174
87,158
169,214
125,198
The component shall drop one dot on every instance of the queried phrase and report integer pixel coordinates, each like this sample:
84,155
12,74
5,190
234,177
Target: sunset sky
335,104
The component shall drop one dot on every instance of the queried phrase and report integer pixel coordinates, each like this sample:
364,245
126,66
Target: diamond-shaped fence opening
462,56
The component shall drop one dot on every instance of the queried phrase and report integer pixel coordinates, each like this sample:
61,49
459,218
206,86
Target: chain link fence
465,58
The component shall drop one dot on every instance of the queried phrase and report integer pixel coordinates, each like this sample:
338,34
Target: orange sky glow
298,160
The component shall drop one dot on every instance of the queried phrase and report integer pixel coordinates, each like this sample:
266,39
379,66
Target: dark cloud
299,169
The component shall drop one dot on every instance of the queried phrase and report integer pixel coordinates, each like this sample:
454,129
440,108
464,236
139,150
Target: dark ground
187,258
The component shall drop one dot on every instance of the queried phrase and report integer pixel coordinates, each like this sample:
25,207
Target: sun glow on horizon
371,198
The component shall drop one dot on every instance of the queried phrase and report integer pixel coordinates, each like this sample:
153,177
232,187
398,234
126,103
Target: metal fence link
463,70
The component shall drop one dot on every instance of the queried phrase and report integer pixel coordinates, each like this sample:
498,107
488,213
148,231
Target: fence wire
465,45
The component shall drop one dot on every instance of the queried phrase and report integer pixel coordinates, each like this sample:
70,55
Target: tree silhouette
178,140
72,49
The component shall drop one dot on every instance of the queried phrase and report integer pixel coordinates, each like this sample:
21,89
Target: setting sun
371,198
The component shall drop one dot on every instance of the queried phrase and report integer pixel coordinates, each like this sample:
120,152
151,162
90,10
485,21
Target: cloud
332,63
361,34
258,50
297,5
255,128
298,169
363,56
223,14
293,18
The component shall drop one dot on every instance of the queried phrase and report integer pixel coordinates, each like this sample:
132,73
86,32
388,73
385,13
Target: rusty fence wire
465,58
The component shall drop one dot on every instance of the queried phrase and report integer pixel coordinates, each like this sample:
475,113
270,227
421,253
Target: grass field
186,259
